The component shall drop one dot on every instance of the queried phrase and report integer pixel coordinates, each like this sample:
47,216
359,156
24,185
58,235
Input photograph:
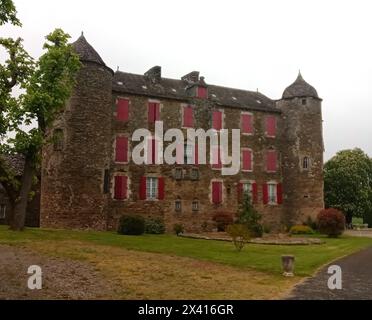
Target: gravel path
61,278
356,280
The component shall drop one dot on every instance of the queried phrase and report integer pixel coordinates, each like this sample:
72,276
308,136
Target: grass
263,258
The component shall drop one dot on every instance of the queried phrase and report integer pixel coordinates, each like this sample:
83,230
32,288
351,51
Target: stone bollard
288,265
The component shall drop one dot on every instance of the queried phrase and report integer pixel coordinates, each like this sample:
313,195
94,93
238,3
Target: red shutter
247,125
216,158
254,192
240,191
196,154
271,126
216,192
279,193
153,112
271,161
122,109
202,93
188,119
161,188
247,160
121,187
121,150
217,120
265,193
142,189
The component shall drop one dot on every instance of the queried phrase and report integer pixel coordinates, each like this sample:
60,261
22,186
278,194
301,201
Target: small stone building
89,178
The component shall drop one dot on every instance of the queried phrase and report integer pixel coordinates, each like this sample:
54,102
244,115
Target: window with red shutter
217,120
121,149
265,193
188,117
247,123
161,185
153,112
247,160
122,109
216,192
121,187
202,93
142,189
271,161
270,126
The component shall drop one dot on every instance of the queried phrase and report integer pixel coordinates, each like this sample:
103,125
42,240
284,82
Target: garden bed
280,239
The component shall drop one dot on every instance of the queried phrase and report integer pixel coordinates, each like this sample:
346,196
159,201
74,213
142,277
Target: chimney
191,77
154,74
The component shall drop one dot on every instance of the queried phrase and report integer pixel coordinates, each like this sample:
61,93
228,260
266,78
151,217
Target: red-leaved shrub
223,219
331,222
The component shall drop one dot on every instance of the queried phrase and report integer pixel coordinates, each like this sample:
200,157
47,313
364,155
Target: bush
239,234
223,219
178,229
301,229
131,225
249,216
331,222
155,226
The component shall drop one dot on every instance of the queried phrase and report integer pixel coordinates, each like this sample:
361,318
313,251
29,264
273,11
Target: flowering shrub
301,229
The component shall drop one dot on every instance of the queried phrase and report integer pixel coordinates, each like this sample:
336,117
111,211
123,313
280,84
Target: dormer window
202,93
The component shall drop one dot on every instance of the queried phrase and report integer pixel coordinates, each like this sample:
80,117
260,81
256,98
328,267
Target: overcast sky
244,44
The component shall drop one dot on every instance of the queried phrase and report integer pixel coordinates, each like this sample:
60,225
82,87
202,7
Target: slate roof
86,52
300,88
178,89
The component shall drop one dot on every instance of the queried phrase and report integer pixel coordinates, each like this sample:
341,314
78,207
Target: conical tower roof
300,88
86,52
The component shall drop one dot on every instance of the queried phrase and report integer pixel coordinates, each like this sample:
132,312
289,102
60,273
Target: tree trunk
20,207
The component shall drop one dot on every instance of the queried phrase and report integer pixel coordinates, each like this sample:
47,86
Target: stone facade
78,177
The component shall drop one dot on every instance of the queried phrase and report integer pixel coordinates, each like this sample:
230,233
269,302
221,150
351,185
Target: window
194,174
271,161
195,205
58,140
151,188
202,93
247,160
247,188
121,187
306,163
272,193
121,149
122,109
153,112
217,192
270,126
303,102
188,117
247,123
178,205
2,211
217,120
178,173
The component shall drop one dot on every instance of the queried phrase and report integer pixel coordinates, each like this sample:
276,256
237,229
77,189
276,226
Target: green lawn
264,258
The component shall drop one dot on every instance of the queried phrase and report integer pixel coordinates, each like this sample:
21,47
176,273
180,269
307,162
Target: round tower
73,178
302,152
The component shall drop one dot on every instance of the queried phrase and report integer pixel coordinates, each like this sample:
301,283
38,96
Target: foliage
249,216
331,222
348,183
178,229
223,219
131,225
8,13
311,223
301,229
154,226
239,234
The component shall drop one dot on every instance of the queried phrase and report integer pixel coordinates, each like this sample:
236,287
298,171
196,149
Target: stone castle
89,180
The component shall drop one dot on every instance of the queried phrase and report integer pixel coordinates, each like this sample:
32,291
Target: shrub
301,229
239,234
331,222
131,225
223,219
178,229
249,216
155,226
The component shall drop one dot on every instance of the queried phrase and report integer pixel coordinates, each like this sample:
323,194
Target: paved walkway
356,281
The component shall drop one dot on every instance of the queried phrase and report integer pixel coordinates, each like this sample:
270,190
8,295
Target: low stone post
288,265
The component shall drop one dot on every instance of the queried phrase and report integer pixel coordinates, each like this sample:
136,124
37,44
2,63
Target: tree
46,85
348,183
250,217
